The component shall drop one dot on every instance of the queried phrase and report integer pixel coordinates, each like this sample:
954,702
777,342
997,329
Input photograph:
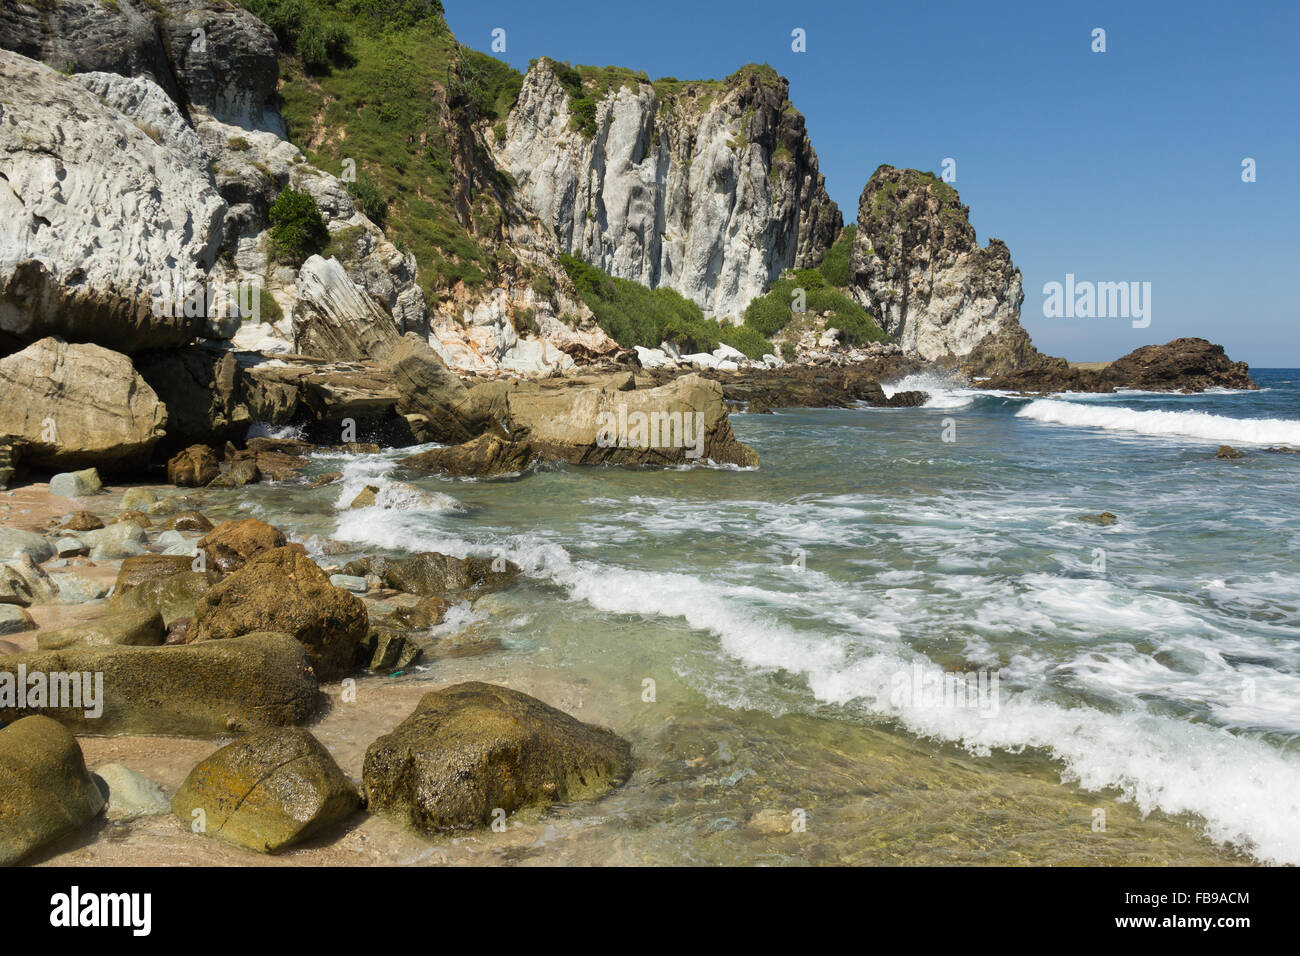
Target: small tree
297,229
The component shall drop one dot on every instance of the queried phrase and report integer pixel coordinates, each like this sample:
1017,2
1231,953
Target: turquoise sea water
798,623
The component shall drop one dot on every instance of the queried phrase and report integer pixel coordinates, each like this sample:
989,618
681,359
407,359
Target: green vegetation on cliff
770,313
397,95
632,314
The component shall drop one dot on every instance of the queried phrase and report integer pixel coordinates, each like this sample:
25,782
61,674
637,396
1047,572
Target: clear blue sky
1115,166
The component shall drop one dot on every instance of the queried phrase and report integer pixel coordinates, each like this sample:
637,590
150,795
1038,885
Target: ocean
898,640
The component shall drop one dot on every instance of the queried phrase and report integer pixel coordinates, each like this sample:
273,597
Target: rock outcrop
200,690
229,66
68,406
709,188
918,269
471,749
101,212
1189,364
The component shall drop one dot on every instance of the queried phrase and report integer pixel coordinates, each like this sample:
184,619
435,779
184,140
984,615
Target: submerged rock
1228,452
434,573
137,628
484,457
284,590
267,791
473,748
199,690
131,795
45,789
1104,519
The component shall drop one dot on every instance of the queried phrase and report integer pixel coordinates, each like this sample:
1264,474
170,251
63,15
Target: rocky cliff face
711,189
99,206
918,268
201,53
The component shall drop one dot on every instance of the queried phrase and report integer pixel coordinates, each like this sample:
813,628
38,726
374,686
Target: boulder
387,649
24,582
76,484
284,590
67,547
131,795
194,467
192,690
267,791
484,457
102,214
427,387
427,613
231,544
71,406
121,539
167,584
45,789
473,748
78,589
136,628
678,423
15,543
82,521
138,498
434,573
15,620
188,521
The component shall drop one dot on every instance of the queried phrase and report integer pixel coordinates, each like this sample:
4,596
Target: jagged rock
24,582
131,795
434,573
232,72
484,457
45,789
70,406
427,387
918,269
385,650
99,210
144,102
233,543
194,467
1188,364
712,190
203,391
142,628
284,590
473,748
199,690
1228,452
267,791
365,497
681,422
335,319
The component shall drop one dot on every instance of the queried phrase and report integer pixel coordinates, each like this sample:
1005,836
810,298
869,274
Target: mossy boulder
473,748
194,690
165,583
267,791
135,628
284,590
45,789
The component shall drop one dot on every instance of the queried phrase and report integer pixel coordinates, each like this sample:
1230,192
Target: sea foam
1198,426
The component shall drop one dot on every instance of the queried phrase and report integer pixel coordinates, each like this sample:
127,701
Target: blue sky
1115,166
